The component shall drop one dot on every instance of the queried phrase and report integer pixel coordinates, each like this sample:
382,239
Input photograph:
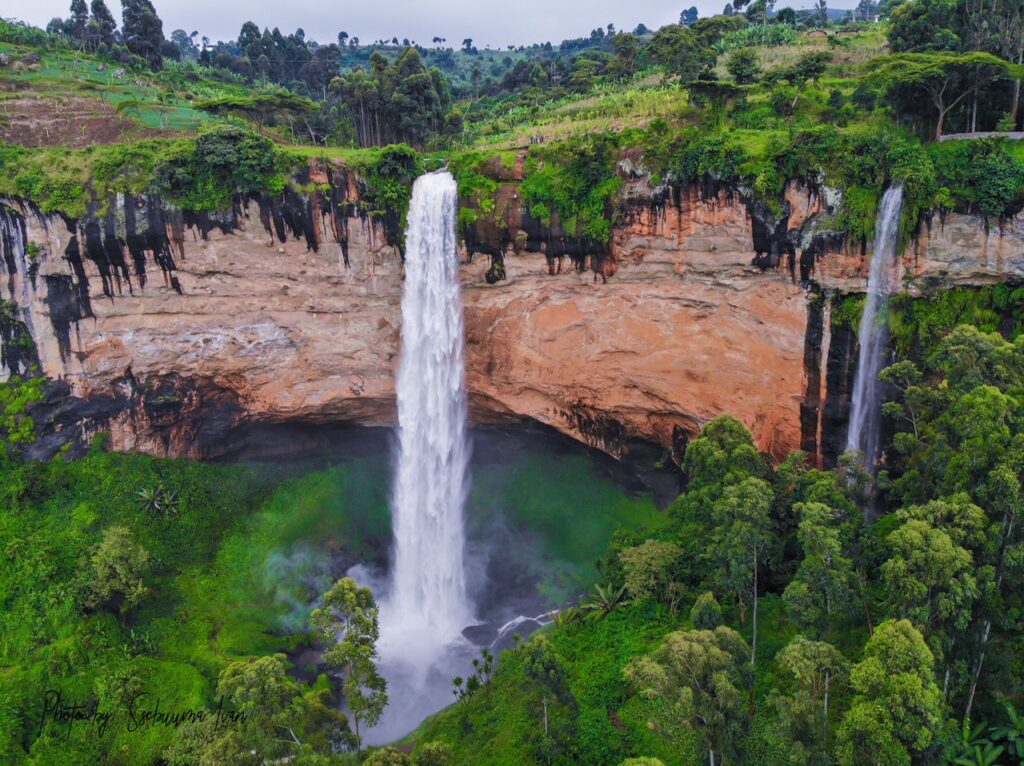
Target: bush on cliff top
575,180
200,173
222,161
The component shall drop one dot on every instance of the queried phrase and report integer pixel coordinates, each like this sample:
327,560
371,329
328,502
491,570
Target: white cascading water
426,606
428,583
864,432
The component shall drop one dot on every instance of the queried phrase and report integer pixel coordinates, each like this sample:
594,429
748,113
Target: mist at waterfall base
864,430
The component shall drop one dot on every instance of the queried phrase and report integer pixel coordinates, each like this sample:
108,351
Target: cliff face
170,331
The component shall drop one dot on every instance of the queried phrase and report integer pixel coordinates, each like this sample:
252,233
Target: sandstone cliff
170,330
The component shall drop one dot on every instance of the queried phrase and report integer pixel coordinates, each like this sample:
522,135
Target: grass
611,107
148,99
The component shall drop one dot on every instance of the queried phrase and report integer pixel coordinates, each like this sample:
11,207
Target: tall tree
816,668
700,674
824,588
679,51
78,23
349,622
119,567
896,709
742,543
142,30
102,25
942,79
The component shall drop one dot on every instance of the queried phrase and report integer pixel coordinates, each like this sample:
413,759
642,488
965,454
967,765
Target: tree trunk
938,124
864,600
711,757
976,675
1015,104
828,677
753,643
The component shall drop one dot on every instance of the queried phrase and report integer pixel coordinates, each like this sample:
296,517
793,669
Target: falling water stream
864,433
425,606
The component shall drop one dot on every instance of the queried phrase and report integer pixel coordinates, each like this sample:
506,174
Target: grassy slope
220,585
233,573
156,101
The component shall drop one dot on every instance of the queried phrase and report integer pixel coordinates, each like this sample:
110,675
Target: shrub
743,65
706,613
224,160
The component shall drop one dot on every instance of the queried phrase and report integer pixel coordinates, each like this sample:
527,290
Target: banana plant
604,600
967,740
1012,734
979,756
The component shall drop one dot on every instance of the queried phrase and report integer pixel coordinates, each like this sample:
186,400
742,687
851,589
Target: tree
824,587
689,16
183,41
349,623
742,542
260,688
896,708
142,30
816,667
743,65
699,674
119,566
785,16
917,27
17,395
648,568
930,580
706,614
627,49
821,12
78,23
944,79
678,50
806,69
102,25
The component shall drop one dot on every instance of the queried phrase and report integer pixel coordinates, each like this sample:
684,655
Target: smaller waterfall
864,433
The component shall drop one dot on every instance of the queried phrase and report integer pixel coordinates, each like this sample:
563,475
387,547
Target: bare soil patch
72,121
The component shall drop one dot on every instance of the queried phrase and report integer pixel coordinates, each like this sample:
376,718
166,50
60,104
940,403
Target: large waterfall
865,411
426,606
428,583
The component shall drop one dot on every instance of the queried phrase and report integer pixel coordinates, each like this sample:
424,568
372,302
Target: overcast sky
487,22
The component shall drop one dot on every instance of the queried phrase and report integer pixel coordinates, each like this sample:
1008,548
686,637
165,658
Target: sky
486,21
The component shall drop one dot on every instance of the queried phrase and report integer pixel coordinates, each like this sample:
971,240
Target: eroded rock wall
169,330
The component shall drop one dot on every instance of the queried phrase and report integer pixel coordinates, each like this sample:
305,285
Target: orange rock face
677,327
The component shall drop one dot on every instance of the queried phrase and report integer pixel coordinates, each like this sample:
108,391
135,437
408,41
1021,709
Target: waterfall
428,588
425,606
865,411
